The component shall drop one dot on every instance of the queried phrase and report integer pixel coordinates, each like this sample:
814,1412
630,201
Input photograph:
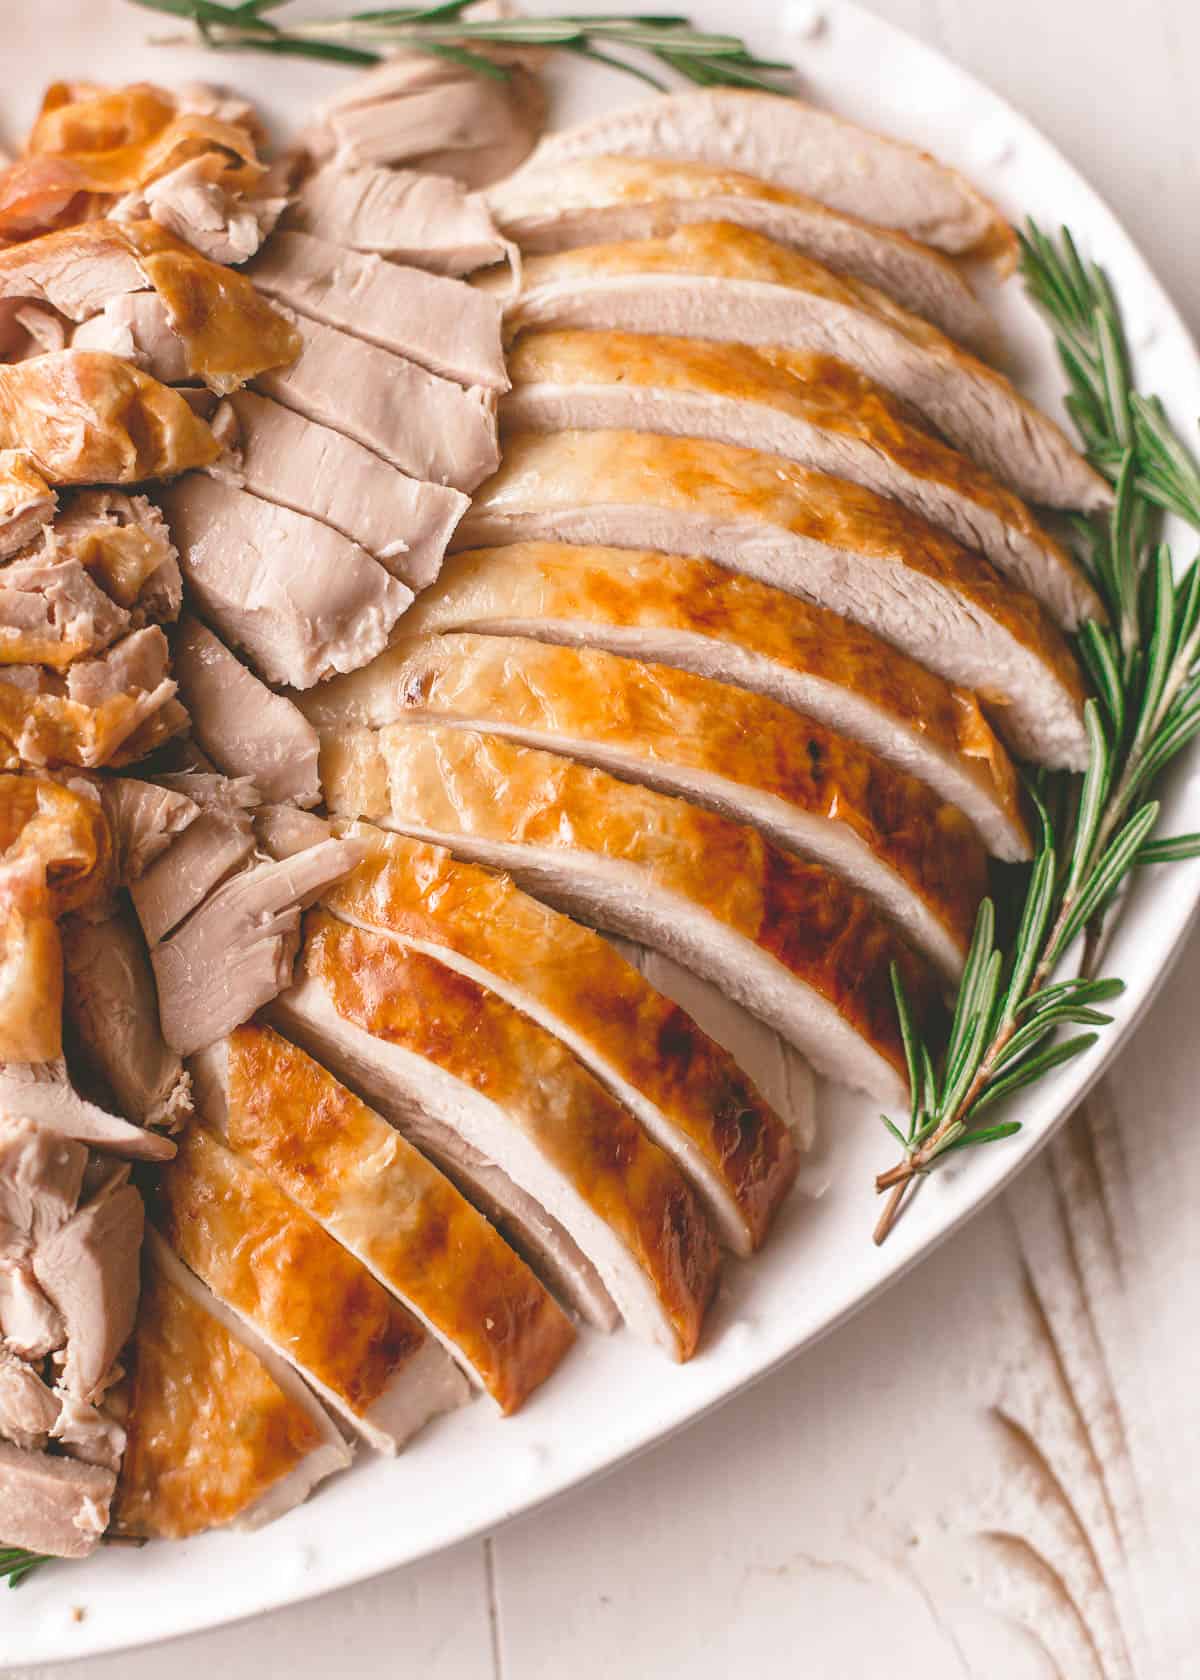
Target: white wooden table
995,1471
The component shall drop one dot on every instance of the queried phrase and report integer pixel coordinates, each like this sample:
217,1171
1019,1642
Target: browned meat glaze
619,1194
686,1092
312,1301
91,144
402,1218
87,417
219,1431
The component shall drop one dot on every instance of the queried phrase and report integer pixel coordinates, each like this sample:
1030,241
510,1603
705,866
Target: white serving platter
471,1472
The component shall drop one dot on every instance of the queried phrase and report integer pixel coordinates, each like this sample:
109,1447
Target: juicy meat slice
436,115
693,614
513,1092
597,200
143,820
137,327
51,613
830,542
306,1013
688,1096
29,1325
311,469
89,1271
781,935
74,269
427,426
221,1430
245,728
319,1308
407,215
723,282
82,417
298,598
816,410
441,324
112,1009
26,501
28,1409
807,150
194,202
777,1069
56,1506
388,1206
209,851
42,1092
235,953
739,753
41,1177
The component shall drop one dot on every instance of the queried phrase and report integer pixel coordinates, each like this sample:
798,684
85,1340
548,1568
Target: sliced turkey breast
811,151
776,1068
88,1271
719,281
221,1431
597,200
54,1506
298,598
42,1092
693,614
689,1097
437,115
229,332
388,1206
143,820
436,322
739,753
427,426
112,1010
783,936
27,502
207,852
306,1012
817,411
409,216
285,458
514,1093
235,953
83,417
828,541
242,725
311,1301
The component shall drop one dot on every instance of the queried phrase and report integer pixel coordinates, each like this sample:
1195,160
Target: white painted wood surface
995,1471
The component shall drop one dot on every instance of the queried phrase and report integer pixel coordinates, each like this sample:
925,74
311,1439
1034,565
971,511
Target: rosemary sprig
1145,666
17,1564
446,31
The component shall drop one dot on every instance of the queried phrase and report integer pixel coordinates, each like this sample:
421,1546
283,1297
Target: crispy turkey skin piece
685,1092
832,543
509,1089
783,936
84,417
384,1202
677,610
755,760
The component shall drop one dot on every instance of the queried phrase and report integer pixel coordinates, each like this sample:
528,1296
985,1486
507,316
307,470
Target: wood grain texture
810,1528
